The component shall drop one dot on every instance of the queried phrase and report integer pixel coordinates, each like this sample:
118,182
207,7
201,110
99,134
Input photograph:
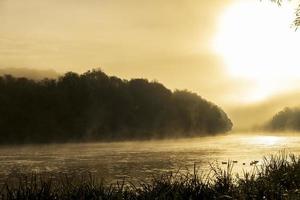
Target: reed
278,177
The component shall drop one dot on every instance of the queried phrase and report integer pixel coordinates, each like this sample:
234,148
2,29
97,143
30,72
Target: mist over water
141,160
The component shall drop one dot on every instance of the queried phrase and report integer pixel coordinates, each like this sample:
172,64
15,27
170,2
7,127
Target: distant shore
94,106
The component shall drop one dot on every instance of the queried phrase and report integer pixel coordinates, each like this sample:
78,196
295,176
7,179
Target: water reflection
267,140
141,160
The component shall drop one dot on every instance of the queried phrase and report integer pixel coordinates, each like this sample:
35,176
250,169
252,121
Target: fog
140,160
247,117
32,73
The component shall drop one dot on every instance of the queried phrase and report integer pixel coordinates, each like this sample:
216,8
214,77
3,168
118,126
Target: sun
258,43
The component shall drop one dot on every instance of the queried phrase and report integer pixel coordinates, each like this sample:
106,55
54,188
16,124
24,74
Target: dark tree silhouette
94,106
286,120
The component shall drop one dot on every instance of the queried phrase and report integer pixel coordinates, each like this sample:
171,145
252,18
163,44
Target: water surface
140,160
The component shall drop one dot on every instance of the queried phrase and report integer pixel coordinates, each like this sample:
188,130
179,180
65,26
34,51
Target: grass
278,177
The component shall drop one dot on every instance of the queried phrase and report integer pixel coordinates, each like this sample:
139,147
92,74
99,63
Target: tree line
287,119
95,106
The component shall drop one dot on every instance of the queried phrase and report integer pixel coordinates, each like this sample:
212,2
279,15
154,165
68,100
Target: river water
142,160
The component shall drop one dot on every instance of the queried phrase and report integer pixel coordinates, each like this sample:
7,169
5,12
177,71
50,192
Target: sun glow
267,140
258,43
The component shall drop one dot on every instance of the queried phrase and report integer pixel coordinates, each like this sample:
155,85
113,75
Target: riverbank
278,177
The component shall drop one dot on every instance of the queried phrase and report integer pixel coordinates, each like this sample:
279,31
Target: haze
236,53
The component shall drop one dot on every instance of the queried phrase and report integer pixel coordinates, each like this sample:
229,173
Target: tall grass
277,177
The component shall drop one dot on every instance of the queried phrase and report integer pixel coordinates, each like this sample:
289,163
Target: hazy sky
228,51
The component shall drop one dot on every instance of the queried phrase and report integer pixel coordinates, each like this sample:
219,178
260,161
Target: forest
287,119
94,106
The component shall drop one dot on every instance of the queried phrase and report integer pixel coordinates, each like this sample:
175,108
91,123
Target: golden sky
228,51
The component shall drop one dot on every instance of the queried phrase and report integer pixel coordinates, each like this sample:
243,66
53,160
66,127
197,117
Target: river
141,160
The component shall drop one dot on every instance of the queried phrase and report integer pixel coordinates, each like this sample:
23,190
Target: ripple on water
147,158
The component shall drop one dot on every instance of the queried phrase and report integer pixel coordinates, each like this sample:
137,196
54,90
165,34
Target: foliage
296,21
288,119
96,106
